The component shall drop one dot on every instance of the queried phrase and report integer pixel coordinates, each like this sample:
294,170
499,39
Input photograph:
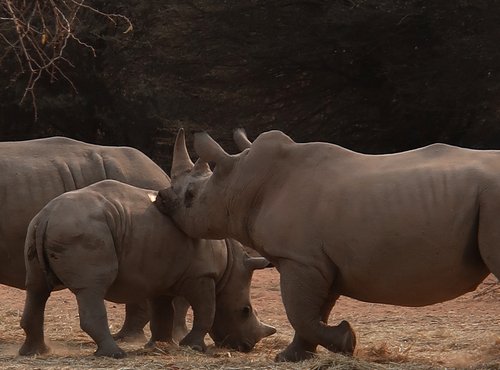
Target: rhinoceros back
35,171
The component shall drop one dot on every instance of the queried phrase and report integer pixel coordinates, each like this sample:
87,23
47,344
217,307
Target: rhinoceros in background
35,171
412,228
109,241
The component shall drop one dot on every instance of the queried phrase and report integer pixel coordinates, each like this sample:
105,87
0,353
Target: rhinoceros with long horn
412,228
35,171
109,241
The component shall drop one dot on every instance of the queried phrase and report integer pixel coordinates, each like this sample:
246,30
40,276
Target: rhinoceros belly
413,275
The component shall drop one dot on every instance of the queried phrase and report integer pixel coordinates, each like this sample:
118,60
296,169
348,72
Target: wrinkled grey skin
35,171
412,228
109,241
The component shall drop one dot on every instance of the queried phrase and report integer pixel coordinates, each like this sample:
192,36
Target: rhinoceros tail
35,244
30,244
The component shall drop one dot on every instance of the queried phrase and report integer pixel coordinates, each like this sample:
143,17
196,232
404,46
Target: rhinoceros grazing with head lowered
35,171
412,228
108,241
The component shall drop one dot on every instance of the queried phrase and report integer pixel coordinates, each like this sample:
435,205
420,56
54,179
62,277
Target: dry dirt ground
463,333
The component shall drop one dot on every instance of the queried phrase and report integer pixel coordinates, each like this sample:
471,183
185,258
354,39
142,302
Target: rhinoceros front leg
161,327
200,293
308,300
136,317
181,307
94,321
162,318
37,293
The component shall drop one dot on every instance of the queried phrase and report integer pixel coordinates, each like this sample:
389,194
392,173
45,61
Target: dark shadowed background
373,76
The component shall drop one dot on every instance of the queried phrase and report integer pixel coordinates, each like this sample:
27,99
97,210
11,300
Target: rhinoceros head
219,204
236,324
195,199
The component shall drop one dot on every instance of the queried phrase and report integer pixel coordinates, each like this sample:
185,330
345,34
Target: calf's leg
180,329
200,293
162,317
37,293
94,321
308,300
136,317
88,268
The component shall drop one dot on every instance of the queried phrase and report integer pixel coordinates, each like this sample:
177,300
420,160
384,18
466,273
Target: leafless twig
36,33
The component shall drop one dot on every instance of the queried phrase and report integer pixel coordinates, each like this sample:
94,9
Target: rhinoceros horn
256,263
241,139
180,162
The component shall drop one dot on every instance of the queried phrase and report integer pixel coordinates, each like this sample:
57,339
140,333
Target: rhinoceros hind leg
94,321
344,339
37,293
308,298
488,238
491,256
32,323
136,317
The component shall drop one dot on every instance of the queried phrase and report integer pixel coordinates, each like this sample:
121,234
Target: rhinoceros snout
166,201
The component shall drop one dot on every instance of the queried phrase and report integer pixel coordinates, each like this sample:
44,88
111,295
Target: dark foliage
374,76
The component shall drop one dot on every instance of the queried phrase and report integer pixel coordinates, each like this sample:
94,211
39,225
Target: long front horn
180,161
241,139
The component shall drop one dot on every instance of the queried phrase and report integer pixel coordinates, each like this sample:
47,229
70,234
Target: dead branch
36,33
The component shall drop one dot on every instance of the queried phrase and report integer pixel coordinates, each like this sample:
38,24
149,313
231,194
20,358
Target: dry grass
462,334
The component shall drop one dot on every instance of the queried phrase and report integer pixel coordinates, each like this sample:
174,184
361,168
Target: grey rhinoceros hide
109,241
35,171
412,228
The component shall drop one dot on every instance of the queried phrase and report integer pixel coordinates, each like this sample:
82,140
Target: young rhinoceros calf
109,241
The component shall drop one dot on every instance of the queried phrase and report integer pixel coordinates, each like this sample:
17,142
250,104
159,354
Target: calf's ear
210,151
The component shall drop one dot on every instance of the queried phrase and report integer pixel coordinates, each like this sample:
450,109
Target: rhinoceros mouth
245,347
241,346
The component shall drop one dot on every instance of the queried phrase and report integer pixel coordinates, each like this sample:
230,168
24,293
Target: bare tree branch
37,33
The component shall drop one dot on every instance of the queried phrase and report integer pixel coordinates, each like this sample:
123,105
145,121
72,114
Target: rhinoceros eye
247,310
188,197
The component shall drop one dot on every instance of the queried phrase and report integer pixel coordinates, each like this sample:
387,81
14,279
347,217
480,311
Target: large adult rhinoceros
411,229
35,171
109,241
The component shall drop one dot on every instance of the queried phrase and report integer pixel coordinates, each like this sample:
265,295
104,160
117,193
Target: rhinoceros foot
130,335
294,353
152,344
344,340
110,351
196,343
31,349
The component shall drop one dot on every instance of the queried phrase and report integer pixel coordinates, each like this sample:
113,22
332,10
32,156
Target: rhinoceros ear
180,162
241,139
256,263
210,151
